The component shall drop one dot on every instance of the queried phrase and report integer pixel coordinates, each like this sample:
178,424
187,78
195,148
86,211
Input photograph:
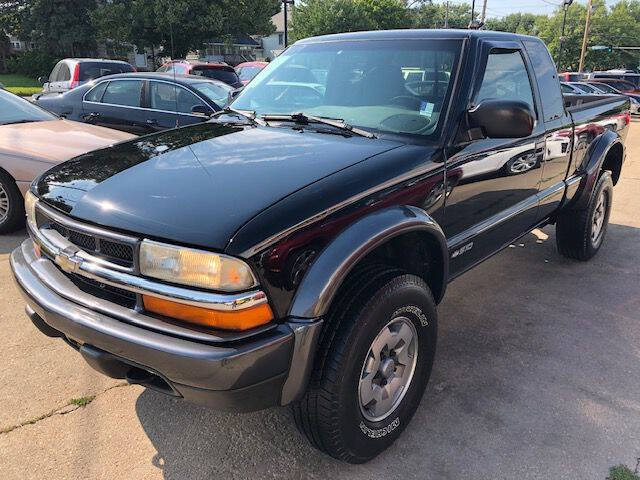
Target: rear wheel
372,366
580,233
11,204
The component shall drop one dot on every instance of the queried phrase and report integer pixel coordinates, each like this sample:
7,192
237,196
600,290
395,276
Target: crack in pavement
69,407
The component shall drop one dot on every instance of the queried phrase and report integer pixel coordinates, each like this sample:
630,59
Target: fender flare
590,168
327,273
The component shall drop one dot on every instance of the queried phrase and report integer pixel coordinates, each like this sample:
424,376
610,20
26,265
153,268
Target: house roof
278,21
241,39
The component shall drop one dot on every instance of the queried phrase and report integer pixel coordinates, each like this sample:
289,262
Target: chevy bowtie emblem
68,262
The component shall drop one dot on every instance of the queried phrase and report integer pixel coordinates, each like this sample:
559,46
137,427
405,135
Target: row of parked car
102,93
605,86
111,94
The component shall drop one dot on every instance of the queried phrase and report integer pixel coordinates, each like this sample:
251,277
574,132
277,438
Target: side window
54,73
506,78
172,98
547,78
64,75
163,68
95,94
123,92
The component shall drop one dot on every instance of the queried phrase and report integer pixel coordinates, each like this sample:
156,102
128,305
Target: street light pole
565,4
286,4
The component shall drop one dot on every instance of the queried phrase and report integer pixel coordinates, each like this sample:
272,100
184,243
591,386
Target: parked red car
218,71
622,85
571,76
247,70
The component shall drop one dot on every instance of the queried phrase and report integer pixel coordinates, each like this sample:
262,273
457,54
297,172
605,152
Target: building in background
232,50
273,45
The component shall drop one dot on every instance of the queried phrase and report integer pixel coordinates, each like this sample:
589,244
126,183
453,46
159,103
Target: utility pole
473,7
286,4
585,38
565,5
446,16
484,11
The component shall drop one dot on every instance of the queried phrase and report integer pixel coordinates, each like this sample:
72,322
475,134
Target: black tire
10,199
330,414
575,229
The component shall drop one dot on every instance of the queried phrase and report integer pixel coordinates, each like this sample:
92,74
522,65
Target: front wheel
372,367
11,205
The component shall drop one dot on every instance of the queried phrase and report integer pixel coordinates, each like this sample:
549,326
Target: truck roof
415,34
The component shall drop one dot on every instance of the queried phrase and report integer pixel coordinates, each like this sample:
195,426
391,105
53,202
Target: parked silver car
73,72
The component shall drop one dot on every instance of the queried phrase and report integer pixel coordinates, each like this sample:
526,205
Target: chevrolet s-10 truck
293,249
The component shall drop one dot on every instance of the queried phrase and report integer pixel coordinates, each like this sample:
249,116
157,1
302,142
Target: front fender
321,283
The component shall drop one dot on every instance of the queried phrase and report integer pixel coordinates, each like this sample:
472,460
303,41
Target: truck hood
197,185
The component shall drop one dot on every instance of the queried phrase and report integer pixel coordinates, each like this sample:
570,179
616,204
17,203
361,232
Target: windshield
218,93
606,88
394,86
14,109
247,73
226,76
93,70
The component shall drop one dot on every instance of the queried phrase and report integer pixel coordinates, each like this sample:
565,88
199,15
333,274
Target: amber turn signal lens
36,250
233,320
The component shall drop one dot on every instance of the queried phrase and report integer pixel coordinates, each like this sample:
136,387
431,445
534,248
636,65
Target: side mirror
502,118
201,110
43,80
233,94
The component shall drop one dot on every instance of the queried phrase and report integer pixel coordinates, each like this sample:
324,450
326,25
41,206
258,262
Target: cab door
118,105
493,182
170,105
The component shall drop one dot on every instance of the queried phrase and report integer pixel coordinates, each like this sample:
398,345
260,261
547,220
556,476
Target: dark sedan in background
141,103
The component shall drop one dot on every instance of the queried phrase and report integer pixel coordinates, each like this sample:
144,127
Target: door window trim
146,80
179,86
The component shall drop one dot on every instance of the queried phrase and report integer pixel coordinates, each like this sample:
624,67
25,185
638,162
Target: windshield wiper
304,119
248,114
15,122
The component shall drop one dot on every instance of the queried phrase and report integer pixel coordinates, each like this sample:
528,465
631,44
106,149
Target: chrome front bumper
73,259
241,374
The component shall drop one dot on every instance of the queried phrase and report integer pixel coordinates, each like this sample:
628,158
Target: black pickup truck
293,249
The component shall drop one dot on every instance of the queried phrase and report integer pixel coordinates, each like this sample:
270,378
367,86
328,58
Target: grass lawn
19,84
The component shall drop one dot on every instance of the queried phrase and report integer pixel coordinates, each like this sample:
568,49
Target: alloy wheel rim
4,204
388,369
522,165
599,215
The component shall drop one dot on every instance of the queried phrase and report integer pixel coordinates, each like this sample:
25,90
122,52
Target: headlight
30,201
196,268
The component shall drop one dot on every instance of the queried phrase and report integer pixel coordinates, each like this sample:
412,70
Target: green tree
182,25
321,17
4,51
433,15
523,23
60,27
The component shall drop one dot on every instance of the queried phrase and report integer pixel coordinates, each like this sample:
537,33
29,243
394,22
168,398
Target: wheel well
613,161
418,253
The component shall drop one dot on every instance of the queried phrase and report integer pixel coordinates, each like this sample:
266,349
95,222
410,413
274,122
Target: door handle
153,122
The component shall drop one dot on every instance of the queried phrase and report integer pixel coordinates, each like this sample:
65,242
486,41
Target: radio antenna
175,86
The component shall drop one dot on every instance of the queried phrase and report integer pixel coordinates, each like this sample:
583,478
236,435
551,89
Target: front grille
112,251
84,241
106,292
116,250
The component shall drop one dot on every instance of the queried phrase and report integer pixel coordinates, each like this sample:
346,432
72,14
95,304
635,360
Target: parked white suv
73,72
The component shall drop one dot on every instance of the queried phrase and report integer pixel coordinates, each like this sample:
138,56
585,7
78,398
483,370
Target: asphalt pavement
536,377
